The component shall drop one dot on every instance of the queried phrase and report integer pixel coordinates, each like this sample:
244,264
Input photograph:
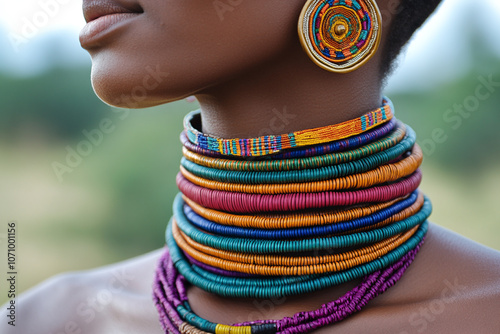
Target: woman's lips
103,16
98,28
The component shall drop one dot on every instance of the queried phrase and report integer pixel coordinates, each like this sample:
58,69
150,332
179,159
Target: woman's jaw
238,61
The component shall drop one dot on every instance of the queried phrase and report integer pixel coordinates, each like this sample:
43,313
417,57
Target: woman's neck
272,100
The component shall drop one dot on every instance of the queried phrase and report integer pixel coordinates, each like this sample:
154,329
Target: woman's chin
123,89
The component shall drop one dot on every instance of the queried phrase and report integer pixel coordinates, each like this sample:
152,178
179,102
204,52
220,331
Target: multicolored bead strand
266,145
313,209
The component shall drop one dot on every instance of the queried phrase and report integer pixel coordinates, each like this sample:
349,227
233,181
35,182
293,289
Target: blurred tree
61,102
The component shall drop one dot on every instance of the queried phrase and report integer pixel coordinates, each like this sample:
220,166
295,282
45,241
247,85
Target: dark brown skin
241,69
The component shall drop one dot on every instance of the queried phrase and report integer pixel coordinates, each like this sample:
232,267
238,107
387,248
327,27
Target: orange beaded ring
382,174
277,265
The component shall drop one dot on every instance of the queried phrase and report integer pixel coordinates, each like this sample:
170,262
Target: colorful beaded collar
270,144
341,204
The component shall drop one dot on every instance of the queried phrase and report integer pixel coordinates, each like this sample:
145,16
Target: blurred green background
116,203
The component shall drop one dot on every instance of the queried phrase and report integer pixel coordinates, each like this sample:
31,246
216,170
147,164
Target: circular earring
340,35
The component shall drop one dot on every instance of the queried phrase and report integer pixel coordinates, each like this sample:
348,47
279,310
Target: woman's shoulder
449,253
453,286
111,299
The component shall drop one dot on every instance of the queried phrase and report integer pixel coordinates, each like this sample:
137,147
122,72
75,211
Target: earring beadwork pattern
340,35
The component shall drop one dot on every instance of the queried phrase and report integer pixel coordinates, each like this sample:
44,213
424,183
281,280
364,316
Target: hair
411,14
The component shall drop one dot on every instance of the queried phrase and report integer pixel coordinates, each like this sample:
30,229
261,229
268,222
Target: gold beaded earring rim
356,62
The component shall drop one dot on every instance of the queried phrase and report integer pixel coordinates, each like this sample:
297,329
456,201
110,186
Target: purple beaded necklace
170,291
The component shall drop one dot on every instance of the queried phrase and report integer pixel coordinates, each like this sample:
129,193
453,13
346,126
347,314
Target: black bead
264,329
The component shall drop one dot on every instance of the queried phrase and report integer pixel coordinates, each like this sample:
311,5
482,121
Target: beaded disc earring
340,35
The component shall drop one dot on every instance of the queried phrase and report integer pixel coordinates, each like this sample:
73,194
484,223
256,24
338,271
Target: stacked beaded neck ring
312,209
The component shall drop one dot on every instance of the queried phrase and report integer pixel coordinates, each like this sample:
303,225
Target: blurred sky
440,47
